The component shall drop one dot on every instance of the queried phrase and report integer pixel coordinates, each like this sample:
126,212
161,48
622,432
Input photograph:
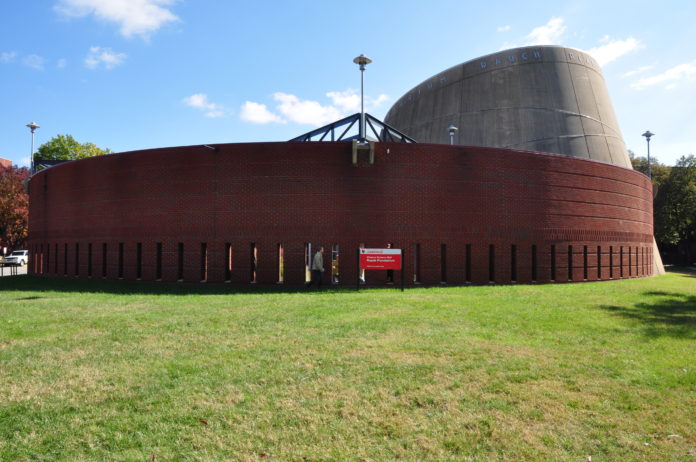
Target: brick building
248,213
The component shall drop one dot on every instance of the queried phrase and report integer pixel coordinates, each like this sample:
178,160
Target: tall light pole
362,60
32,126
452,130
647,136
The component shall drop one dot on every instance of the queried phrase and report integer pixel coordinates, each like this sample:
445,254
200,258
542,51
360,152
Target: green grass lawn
108,371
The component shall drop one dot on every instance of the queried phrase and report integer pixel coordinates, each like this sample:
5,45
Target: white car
18,257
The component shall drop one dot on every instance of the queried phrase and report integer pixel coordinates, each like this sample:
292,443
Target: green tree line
674,206
65,147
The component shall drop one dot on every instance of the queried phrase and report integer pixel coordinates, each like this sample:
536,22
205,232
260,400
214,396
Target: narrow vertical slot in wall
77,259
139,261
534,263
637,274
443,263
491,263
611,262
89,260
228,261
513,263
416,264
204,262
48,258
630,261
55,260
335,264
642,261
65,259
599,262
253,262
120,260
570,262
281,264
180,261
467,275
621,262
308,262
553,262
158,261
584,262
104,259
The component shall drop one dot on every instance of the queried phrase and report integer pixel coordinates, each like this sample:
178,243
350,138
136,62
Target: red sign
382,259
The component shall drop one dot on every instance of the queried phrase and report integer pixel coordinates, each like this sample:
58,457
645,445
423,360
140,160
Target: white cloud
34,61
7,57
305,111
62,63
640,70
345,101
24,161
548,34
200,101
375,103
258,114
106,57
294,109
670,77
135,17
348,101
504,28
614,49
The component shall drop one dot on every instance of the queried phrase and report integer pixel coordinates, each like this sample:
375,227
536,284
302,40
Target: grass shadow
662,313
73,285
684,270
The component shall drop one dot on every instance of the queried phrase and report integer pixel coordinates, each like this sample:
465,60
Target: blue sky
137,74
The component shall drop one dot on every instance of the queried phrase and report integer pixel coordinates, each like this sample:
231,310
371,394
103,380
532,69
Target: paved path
8,270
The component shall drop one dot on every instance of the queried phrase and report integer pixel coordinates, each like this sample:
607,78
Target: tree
675,205
65,147
659,171
14,206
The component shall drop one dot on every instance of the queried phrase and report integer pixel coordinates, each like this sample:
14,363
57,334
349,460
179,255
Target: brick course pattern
246,212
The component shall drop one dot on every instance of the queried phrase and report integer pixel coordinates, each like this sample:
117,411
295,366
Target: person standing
317,268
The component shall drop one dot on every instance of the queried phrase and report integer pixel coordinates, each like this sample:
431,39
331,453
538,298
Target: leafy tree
14,206
659,171
65,147
675,205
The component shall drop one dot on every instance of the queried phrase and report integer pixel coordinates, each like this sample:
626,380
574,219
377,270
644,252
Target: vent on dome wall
348,129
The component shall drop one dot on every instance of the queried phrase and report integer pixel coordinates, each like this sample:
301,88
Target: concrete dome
542,98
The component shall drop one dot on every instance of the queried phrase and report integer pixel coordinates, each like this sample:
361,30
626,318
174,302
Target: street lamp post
362,60
647,136
452,130
32,126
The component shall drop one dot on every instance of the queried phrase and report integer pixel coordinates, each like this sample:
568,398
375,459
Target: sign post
402,270
380,259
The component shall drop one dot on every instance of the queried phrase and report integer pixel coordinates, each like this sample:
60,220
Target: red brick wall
440,197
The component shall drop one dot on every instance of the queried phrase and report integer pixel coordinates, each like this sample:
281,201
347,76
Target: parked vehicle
18,257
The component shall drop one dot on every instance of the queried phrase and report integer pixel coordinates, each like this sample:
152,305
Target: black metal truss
375,129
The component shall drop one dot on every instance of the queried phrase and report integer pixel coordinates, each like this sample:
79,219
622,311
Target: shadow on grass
49,284
670,314
685,270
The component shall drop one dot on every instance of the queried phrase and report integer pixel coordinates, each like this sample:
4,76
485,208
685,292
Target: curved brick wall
462,214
